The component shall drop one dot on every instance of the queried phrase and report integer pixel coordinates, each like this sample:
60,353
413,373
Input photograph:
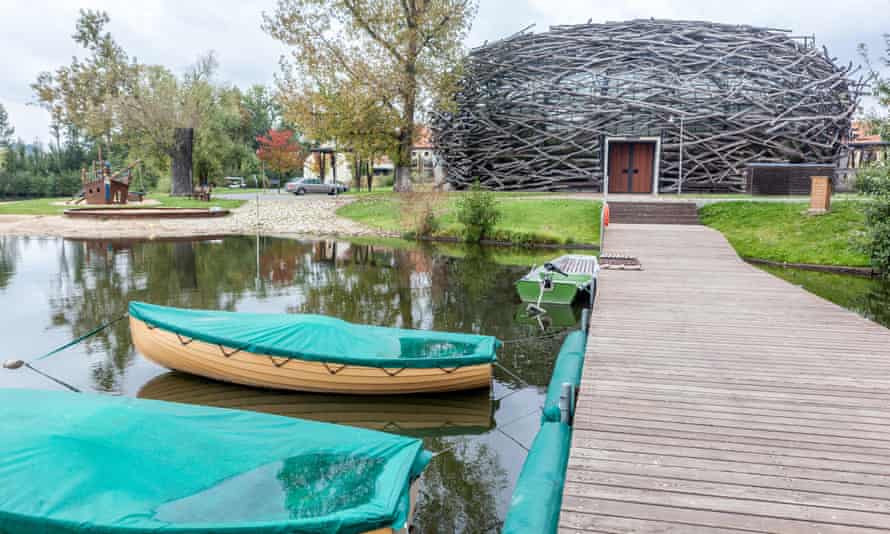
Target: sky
35,35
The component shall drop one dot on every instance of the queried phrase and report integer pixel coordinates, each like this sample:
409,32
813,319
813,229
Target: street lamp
680,181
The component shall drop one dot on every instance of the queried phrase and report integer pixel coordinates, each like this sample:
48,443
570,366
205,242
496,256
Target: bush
418,213
875,182
478,212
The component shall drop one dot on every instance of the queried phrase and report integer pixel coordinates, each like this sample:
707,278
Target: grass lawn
523,221
783,232
46,206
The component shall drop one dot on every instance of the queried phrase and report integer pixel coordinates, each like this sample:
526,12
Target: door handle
636,171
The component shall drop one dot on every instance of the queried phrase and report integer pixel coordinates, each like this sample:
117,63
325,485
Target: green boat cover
568,368
322,338
91,463
537,498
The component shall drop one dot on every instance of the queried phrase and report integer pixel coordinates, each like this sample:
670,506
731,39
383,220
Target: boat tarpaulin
321,338
93,463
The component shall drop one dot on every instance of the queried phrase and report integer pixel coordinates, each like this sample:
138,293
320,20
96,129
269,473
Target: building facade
643,106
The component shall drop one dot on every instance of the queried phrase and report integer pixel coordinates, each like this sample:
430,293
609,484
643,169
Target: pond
55,290
869,297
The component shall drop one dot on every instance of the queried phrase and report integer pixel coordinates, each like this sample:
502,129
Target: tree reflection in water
462,290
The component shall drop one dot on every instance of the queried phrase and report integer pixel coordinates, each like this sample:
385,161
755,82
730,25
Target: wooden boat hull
238,367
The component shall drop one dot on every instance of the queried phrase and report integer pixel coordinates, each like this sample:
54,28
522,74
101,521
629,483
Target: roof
859,134
423,138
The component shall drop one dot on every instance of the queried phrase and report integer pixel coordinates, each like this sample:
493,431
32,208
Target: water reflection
869,297
56,290
310,485
460,413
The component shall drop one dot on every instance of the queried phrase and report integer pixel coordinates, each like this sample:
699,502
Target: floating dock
718,398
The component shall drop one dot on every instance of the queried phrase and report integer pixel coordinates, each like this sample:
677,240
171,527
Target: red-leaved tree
280,151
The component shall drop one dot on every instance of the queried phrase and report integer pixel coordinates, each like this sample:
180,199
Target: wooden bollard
820,195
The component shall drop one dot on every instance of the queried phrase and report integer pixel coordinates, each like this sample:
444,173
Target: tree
280,151
261,112
161,113
394,55
6,129
82,93
111,98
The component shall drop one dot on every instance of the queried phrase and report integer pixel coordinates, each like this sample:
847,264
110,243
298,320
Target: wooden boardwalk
718,398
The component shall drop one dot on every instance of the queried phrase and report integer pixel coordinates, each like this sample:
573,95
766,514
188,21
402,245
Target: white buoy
13,364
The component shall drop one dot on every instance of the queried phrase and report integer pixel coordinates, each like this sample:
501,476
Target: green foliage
418,213
875,182
6,129
784,232
361,70
478,212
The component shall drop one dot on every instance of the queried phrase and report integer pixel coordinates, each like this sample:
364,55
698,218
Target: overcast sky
35,35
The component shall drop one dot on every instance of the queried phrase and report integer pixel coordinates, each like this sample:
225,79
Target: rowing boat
431,414
311,353
559,281
107,465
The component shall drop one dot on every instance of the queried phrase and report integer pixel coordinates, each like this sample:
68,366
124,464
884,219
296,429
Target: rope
54,379
75,341
511,373
19,363
534,338
498,428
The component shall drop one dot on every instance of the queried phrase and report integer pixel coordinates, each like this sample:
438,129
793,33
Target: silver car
301,186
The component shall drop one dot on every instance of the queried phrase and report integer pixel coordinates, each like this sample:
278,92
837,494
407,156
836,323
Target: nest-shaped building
643,106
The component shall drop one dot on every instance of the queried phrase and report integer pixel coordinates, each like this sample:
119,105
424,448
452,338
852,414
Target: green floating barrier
569,365
537,498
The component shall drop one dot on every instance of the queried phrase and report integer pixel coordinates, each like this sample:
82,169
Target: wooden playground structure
101,186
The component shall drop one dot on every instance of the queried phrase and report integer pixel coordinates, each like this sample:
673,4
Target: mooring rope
498,428
77,340
535,338
15,364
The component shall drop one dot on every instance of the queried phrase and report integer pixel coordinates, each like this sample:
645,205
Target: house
327,161
643,106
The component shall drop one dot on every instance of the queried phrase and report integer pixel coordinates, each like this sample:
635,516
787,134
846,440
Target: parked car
301,186
235,182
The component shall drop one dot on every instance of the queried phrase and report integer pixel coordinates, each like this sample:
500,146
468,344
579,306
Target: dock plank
718,398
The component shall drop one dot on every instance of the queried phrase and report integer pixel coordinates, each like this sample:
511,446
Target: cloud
36,35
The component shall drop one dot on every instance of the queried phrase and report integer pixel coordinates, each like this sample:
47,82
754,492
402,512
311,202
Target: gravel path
308,216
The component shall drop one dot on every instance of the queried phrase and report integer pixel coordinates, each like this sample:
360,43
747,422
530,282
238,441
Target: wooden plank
716,396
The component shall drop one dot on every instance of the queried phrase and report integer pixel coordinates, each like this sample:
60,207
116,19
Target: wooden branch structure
533,111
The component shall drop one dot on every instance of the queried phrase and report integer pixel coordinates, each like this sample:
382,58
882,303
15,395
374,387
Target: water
54,290
869,297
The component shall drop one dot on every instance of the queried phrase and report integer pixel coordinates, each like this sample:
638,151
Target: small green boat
92,463
559,281
549,315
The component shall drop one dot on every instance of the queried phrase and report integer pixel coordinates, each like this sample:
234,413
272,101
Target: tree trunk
369,169
181,167
402,164
402,179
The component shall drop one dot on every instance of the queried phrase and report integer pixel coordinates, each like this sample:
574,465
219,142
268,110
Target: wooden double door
631,167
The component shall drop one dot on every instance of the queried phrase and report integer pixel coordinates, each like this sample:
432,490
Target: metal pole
680,183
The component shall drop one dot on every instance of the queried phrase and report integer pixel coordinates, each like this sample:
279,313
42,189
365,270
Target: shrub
875,182
478,212
418,213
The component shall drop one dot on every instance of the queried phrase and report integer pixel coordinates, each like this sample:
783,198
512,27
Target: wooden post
820,195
